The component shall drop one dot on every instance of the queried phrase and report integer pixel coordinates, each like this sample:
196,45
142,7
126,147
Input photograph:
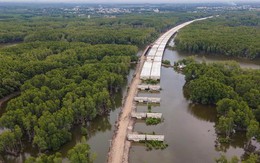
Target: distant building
156,10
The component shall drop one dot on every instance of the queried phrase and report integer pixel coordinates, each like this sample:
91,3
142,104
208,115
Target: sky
130,1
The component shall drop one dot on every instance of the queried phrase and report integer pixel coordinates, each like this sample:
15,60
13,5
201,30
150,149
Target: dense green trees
234,114
43,158
233,90
22,62
75,90
208,91
10,141
80,153
125,29
230,34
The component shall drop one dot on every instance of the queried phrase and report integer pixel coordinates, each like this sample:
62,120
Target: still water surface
188,128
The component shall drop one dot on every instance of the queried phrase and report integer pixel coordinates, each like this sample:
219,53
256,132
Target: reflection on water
244,63
238,141
203,112
189,129
100,124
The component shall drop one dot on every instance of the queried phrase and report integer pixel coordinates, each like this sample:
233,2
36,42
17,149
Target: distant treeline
235,34
126,29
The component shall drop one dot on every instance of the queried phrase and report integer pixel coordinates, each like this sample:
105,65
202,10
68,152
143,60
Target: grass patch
154,144
166,62
151,81
152,121
149,107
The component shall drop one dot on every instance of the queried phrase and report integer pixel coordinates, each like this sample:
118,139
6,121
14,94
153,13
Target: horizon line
81,2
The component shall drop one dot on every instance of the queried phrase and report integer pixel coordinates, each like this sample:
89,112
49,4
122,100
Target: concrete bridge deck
152,65
138,115
147,99
142,137
149,87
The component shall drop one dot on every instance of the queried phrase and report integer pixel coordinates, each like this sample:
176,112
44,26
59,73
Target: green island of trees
233,34
234,91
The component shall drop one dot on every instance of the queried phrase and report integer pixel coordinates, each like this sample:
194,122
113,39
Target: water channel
188,129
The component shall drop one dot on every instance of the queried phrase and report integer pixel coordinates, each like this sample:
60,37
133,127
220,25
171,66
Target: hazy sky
129,1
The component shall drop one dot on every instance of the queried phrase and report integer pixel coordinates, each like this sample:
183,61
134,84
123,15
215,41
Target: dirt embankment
119,149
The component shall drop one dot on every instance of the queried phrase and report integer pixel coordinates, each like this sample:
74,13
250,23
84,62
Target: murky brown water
189,129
